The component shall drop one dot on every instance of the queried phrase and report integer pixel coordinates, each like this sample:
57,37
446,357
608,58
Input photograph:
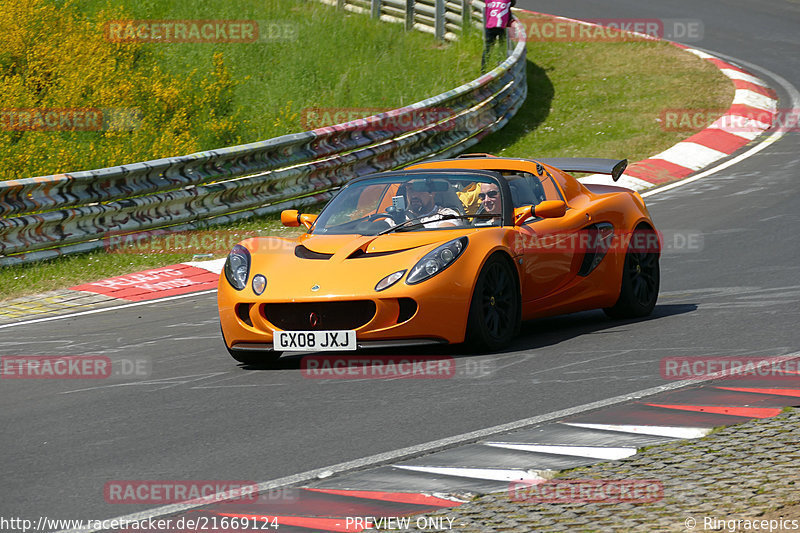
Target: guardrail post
409,15
375,12
466,14
477,9
439,20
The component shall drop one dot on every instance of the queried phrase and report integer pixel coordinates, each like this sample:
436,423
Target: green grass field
584,99
187,97
606,100
309,55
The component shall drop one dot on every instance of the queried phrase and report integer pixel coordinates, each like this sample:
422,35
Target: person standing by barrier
496,18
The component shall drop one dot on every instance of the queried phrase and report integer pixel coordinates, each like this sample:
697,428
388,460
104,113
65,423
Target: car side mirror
550,209
292,218
521,214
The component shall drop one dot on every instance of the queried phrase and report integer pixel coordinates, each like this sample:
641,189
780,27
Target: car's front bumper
362,344
432,313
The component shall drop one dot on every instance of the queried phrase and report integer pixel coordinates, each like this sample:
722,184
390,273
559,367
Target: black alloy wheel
641,278
494,314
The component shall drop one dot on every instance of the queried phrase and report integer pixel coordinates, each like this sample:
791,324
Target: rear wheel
494,312
641,278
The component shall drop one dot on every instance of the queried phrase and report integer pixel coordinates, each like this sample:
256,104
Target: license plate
314,341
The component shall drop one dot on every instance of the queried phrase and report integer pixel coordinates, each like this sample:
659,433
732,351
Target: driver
422,205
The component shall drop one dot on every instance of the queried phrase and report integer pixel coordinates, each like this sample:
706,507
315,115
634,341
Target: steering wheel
375,223
397,215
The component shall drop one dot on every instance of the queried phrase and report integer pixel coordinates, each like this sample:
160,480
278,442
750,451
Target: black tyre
494,312
640,278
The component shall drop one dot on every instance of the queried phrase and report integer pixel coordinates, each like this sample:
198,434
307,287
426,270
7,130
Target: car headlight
237,267
259,284
389,280
437,260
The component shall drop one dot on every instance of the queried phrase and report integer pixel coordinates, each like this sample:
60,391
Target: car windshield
412,202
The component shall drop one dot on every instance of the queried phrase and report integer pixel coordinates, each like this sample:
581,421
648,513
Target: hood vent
361,253
304,253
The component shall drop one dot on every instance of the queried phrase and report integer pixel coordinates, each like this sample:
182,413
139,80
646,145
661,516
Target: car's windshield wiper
407,224
414,222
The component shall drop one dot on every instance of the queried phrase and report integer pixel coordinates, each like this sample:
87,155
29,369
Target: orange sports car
448,251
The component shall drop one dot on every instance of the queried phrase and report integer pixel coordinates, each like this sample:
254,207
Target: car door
548,248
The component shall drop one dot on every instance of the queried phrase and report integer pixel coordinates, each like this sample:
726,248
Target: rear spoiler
612,167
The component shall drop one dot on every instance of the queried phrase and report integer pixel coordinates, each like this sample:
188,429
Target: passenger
490,204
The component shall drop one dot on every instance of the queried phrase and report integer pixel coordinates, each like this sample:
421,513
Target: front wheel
494,312
641,278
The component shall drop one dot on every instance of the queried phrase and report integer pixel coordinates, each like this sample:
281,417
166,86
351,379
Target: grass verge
584,99
182,97
71,270
607,99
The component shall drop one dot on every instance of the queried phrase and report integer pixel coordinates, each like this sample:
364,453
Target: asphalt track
201,417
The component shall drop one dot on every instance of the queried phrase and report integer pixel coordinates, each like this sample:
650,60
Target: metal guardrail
443,18
44,217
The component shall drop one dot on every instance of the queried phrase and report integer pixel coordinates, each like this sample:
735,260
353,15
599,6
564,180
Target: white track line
394,456
658,431
754,99
690,155
492,474
104,309
610,453
736,75
474,435
794,97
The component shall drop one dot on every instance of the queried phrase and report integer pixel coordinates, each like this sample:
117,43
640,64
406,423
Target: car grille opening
407,309
243,312
319,315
